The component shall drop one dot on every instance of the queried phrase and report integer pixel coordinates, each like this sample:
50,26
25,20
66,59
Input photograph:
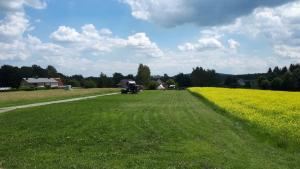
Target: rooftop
40,80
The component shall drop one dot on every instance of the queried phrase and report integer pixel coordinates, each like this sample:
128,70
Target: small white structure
5,88
172,87
160,87
68,87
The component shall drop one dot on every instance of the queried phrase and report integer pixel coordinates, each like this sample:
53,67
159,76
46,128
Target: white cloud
91,39
204,43
288,51
14,50
13,26
143,44
233,44
37,4
201,12
280,26
66,34
18,5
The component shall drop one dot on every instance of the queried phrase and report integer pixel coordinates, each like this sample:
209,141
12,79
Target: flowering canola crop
277,113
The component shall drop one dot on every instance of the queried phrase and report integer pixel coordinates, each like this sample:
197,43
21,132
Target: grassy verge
154,129
27,97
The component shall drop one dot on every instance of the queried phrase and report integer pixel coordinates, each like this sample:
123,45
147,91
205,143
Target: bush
152,85
171,82
89,84
74,83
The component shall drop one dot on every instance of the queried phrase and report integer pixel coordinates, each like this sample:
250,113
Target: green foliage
231,81
152,85
143,75
104,81
117,77
171,82
282,78
265,84
183,80
74,83
276,83
89,84
51,71
202,77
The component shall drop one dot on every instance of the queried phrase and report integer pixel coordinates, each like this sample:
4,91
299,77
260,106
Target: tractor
131,87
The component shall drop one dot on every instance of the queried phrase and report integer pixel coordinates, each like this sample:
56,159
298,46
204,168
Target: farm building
41,82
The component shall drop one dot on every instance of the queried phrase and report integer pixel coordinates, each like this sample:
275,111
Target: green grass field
28,97
154,129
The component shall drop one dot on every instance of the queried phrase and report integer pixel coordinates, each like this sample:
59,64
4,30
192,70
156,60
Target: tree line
11,76
281,78
275,79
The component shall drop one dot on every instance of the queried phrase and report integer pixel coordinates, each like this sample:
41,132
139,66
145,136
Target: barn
41,83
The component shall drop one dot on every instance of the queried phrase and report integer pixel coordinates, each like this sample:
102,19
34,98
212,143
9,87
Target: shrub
74,83
89,84
152,85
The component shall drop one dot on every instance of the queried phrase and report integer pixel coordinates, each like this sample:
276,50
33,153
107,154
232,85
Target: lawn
154,129
272,113
27,97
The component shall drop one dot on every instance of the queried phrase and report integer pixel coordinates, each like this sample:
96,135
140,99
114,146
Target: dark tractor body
131,87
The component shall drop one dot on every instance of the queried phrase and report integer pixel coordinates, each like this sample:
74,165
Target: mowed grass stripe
18,98
154,129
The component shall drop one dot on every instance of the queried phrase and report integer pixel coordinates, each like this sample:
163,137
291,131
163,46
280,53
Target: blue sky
171,36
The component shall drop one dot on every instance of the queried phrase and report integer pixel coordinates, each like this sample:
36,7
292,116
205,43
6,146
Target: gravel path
7,109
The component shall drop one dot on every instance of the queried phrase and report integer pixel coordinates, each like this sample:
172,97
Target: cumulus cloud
143,44
288,51
13,26
16,23
14,50
233,44
204,43
103,41
66,34
200,12
279,26
18,5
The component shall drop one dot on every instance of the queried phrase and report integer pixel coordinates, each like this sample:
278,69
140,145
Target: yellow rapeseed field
276,113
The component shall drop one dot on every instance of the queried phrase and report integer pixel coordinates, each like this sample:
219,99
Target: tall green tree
183,80
117,77
52,72
202,77
104,81
9,76
276,83
143,75
39,71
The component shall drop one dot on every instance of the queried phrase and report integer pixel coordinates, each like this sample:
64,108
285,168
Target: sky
170,36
